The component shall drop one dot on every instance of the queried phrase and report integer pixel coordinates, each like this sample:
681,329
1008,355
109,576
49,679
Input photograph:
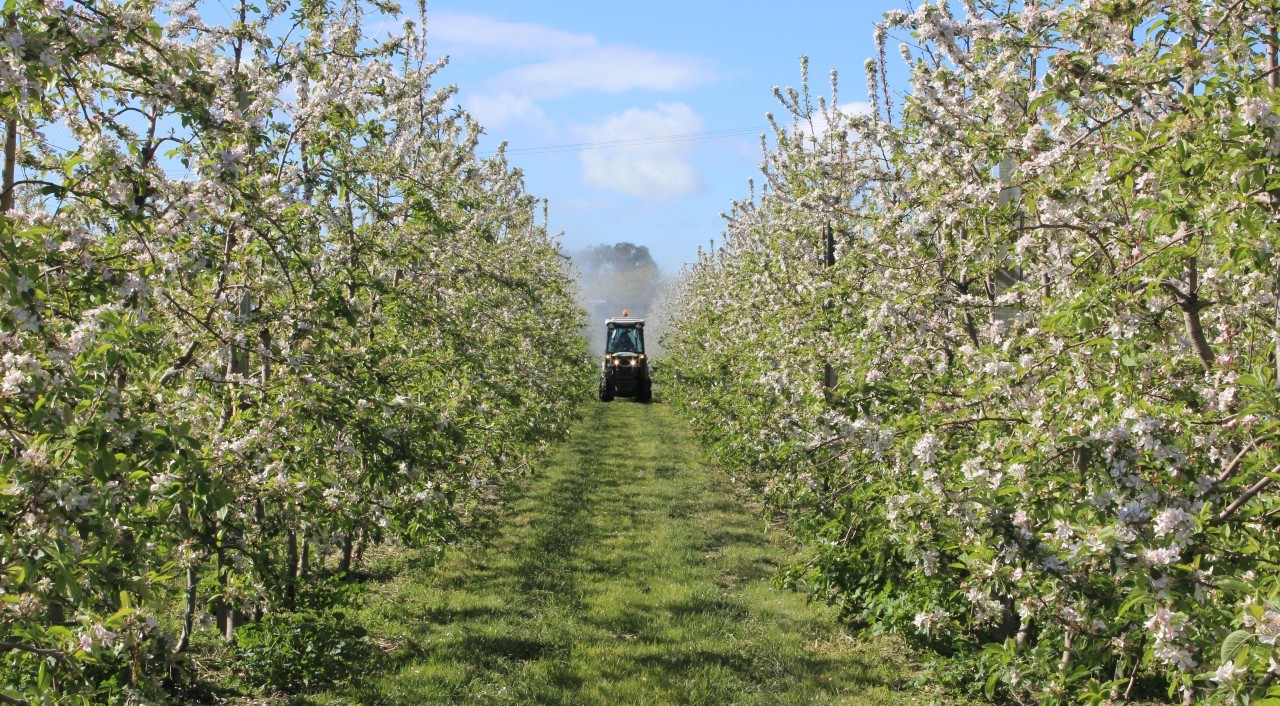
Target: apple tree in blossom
264,305
1003,350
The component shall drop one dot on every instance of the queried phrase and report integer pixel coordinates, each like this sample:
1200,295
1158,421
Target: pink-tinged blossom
1168,627
985,608
1174,522
1255,111
13,382
1177,657
929,562
1267,627
1163,556
1228,673
929,623
926,449
15,41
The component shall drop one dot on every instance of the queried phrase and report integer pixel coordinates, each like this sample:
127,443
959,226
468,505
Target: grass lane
627,573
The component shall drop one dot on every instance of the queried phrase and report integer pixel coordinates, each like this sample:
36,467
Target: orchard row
1003,353
263,305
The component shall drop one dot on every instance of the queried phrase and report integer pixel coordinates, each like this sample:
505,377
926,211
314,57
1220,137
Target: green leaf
72,163
990,688
1137,598
1232,645
1232,584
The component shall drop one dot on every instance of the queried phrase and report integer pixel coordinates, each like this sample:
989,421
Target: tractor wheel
606,390
645,393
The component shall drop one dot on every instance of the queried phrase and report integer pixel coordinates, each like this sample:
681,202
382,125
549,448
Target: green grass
626,573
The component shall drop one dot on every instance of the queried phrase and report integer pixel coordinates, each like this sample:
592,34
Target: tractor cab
624,370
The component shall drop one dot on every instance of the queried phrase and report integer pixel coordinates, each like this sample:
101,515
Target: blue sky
558,74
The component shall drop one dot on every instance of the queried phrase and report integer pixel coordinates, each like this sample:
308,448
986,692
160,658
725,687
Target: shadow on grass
615,569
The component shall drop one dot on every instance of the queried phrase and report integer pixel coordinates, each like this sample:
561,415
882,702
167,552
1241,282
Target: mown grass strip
626,574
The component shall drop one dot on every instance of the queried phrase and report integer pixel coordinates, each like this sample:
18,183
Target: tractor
624,370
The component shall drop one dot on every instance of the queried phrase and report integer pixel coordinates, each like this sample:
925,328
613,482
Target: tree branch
1232,467
1249,494
41,651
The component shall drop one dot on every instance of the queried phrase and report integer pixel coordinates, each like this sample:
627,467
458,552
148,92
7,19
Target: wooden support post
1273,80
291,569
189,611
10,147
829,260
10,164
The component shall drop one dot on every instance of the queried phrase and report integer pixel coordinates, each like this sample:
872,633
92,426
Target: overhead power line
637,141
550,149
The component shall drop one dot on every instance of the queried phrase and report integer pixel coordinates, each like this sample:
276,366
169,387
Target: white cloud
607,70
657,170
505,109
474,32
566,63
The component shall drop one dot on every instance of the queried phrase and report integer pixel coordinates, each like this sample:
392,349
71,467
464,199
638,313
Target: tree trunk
348,547
970,328
221,615
1191,305
234,618
1195,331
1025,633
